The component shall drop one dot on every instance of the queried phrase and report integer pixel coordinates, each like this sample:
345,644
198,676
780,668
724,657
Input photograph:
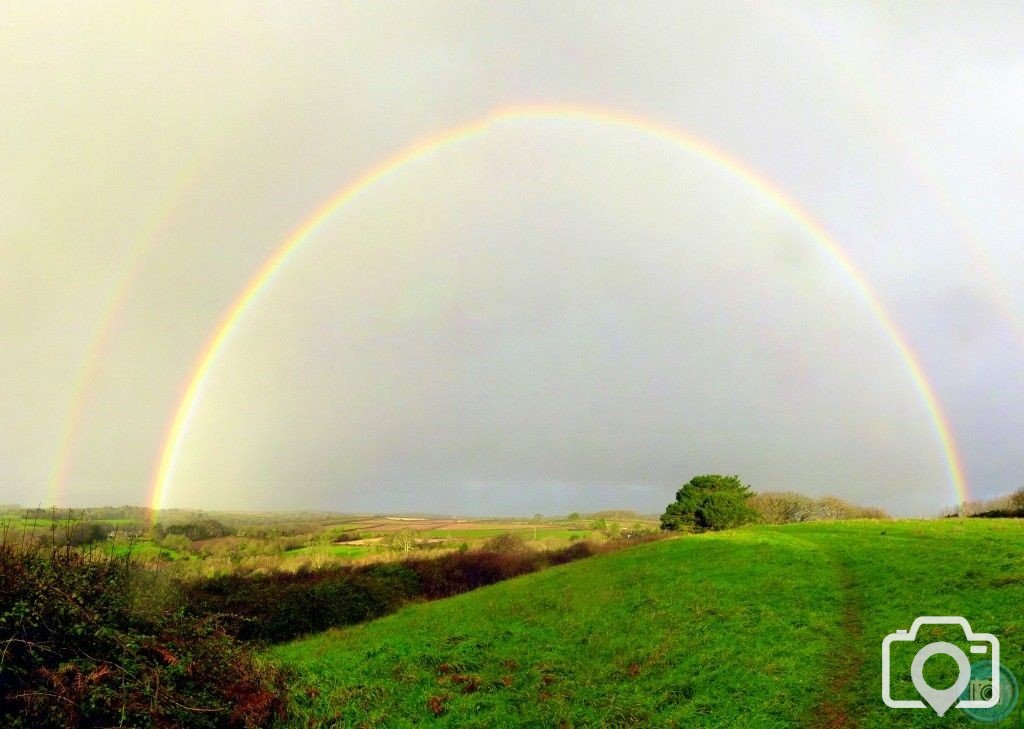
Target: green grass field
758,627
145,550
332,550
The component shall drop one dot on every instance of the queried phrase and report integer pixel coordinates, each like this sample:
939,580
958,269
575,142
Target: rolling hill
757,627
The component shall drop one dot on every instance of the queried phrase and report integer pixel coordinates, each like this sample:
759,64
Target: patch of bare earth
836,707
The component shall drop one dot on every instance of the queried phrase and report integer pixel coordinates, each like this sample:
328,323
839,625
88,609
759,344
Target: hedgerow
281,606
83,642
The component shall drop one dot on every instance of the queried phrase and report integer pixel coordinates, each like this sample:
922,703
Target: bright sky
554,315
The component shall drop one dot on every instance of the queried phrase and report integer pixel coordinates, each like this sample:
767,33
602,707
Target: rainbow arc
192,392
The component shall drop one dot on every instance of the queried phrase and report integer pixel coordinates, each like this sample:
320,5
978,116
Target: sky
554,314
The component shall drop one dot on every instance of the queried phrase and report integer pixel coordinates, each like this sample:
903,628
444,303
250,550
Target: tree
709,502
784,507
177,542
199,529
1017,500
832,508
402,541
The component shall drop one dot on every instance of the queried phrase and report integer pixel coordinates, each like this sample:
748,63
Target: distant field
758,627
334,550
242,543
145,551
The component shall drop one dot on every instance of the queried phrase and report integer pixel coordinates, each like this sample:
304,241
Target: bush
788,507
280,606
81,649
177,542
506,544
783,507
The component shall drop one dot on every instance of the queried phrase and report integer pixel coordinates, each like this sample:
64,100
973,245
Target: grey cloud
559,317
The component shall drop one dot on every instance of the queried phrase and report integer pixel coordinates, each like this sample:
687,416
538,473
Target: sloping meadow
713,630
757,627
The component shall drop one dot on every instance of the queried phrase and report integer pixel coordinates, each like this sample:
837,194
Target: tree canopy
709,502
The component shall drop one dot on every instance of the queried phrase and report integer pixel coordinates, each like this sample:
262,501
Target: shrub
506,544
177,542
82,648
280,606
788,507
782,507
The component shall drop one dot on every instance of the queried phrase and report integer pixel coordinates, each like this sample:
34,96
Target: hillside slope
760,627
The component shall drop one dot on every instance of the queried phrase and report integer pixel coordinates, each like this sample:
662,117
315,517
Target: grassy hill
759,627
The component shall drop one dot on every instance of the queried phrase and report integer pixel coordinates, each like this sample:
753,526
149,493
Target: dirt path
843,666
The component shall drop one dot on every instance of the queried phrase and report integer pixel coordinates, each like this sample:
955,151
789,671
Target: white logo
942,700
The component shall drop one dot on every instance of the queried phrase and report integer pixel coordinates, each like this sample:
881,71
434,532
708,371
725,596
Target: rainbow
104,330
193,388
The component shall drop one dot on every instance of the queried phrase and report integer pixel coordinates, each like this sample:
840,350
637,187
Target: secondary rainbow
104,330
998,287
193,388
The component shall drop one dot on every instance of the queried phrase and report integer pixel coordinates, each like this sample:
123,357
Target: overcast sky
557,315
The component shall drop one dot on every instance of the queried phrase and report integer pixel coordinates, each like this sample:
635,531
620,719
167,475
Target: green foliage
709,502
79,534
199,529
91,641
177,542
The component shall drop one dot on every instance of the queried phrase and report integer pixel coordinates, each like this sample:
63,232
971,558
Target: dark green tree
709,502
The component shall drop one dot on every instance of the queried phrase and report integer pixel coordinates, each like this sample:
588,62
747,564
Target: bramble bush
80,645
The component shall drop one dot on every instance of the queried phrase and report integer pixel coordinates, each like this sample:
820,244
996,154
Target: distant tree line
193,530
787,507
138,514
712,502
1007,506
